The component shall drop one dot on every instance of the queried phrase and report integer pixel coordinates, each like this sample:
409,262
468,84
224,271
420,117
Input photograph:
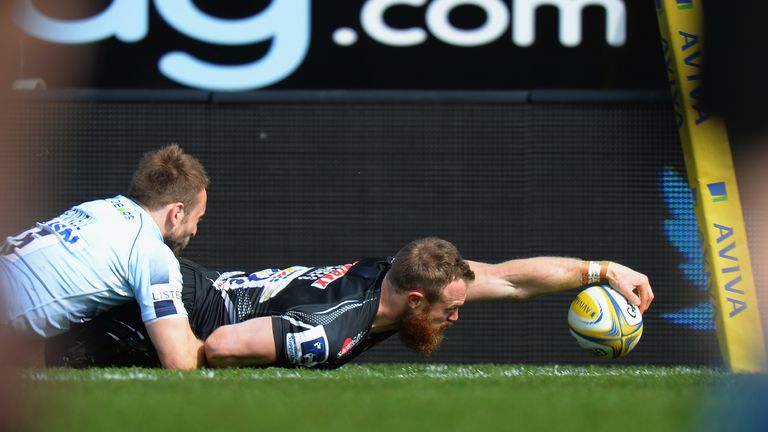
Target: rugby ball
603,322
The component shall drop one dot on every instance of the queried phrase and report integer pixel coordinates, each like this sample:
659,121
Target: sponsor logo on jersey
307,348
350,343
76,217
279,281
66,228
271,280
166,300
121,208
323,276
66,233
158,295
288,274
228,280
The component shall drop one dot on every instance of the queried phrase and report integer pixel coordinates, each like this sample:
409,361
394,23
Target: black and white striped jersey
321,316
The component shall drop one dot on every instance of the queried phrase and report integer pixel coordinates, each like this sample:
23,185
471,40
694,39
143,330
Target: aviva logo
684,4
718,192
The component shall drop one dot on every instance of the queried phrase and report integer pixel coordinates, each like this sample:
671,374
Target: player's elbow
183,357
522,294
179,363
217,352
176,345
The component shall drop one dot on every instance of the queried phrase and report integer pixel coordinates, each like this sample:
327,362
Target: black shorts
204,305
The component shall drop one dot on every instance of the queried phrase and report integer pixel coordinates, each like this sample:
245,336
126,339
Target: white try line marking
439,371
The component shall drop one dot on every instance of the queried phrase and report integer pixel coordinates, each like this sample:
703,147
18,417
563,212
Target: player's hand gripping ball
603,322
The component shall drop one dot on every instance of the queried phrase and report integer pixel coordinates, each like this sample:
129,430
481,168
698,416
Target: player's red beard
419,334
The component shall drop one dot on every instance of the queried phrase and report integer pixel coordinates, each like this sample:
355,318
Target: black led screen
327,182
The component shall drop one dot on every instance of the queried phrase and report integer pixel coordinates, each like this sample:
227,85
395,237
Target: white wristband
593,273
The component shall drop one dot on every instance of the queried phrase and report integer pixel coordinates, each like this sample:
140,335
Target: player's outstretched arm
176,345
522,279
249,343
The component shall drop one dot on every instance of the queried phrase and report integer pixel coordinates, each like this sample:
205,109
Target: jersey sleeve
157,284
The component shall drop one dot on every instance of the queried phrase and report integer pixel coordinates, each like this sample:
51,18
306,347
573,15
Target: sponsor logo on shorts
350,343
307,348
290,348
313,350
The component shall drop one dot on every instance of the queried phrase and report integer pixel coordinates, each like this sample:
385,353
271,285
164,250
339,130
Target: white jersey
94,256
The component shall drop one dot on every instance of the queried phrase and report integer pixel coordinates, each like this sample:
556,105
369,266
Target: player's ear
175,213
415,299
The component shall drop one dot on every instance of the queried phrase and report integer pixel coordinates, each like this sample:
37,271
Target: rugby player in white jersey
106,252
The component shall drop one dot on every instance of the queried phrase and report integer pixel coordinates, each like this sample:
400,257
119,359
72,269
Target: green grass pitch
368,397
